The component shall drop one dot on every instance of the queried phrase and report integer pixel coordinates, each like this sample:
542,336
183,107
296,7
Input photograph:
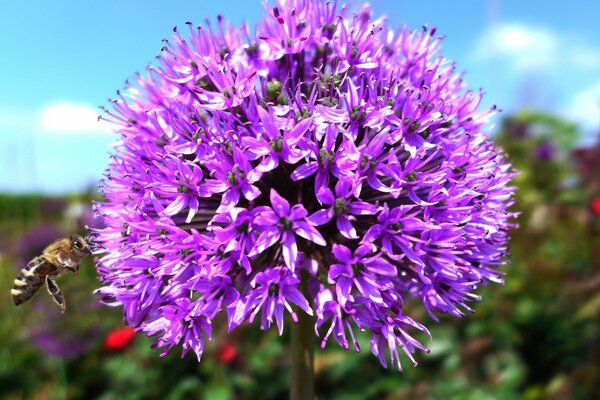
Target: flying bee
56,259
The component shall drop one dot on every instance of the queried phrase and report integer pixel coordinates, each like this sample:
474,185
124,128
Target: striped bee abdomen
27,282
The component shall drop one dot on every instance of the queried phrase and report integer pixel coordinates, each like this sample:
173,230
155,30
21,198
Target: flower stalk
302,358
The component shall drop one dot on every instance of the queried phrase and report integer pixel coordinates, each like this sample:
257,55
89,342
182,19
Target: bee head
79,245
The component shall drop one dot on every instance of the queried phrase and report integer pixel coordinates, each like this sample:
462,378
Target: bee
56,259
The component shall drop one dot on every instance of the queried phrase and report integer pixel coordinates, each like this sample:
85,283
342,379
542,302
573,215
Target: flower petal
176,206
294,295
229,200
280,205
362,208
345,227
304,171
325,196
264,241
342,253
308,232
290,250
321,217
298,212
335,115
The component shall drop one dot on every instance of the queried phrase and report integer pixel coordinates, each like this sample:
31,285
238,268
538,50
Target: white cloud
12,119
523,46
530,48
41,146
71,118
584,109
515,39
584,57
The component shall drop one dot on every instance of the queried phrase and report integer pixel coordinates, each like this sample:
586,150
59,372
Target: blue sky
61,60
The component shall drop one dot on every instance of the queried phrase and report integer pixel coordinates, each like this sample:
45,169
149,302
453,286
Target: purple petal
321,217
343,189
290,250
416,199
308,232
251,192
373,233
335,271
342,253
193,208
240,159
231,246
410,253
256,147
363,250
362,208
267,121
298,131
345,227
229,200
176,206
279,318
321,180
367,65
334,115
376,184
381,267
156,204
268,164
264,241
304,171
298,212
293,295
325,196
216,186
343,287
292,156
280,205
266,217
369,289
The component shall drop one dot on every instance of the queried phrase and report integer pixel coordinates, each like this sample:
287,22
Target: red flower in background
595,206
226,353
119,338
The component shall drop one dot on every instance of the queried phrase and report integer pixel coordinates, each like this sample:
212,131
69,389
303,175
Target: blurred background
537,337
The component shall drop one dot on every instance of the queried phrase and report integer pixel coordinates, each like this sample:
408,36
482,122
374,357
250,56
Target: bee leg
55,292
74,270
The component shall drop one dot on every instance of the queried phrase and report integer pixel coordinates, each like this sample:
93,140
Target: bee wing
66,262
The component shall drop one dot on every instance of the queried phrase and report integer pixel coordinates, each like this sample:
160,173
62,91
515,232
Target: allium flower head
326,148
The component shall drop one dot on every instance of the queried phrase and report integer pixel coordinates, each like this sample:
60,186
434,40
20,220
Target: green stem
303,352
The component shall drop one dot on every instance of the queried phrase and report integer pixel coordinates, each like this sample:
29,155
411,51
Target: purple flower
274,290
342,207
33,241
328,159
366,274
324,151
66,336
280,224
234,178
276,145
544,151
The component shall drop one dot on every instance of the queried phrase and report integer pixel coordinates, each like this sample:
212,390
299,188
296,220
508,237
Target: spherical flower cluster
324,164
